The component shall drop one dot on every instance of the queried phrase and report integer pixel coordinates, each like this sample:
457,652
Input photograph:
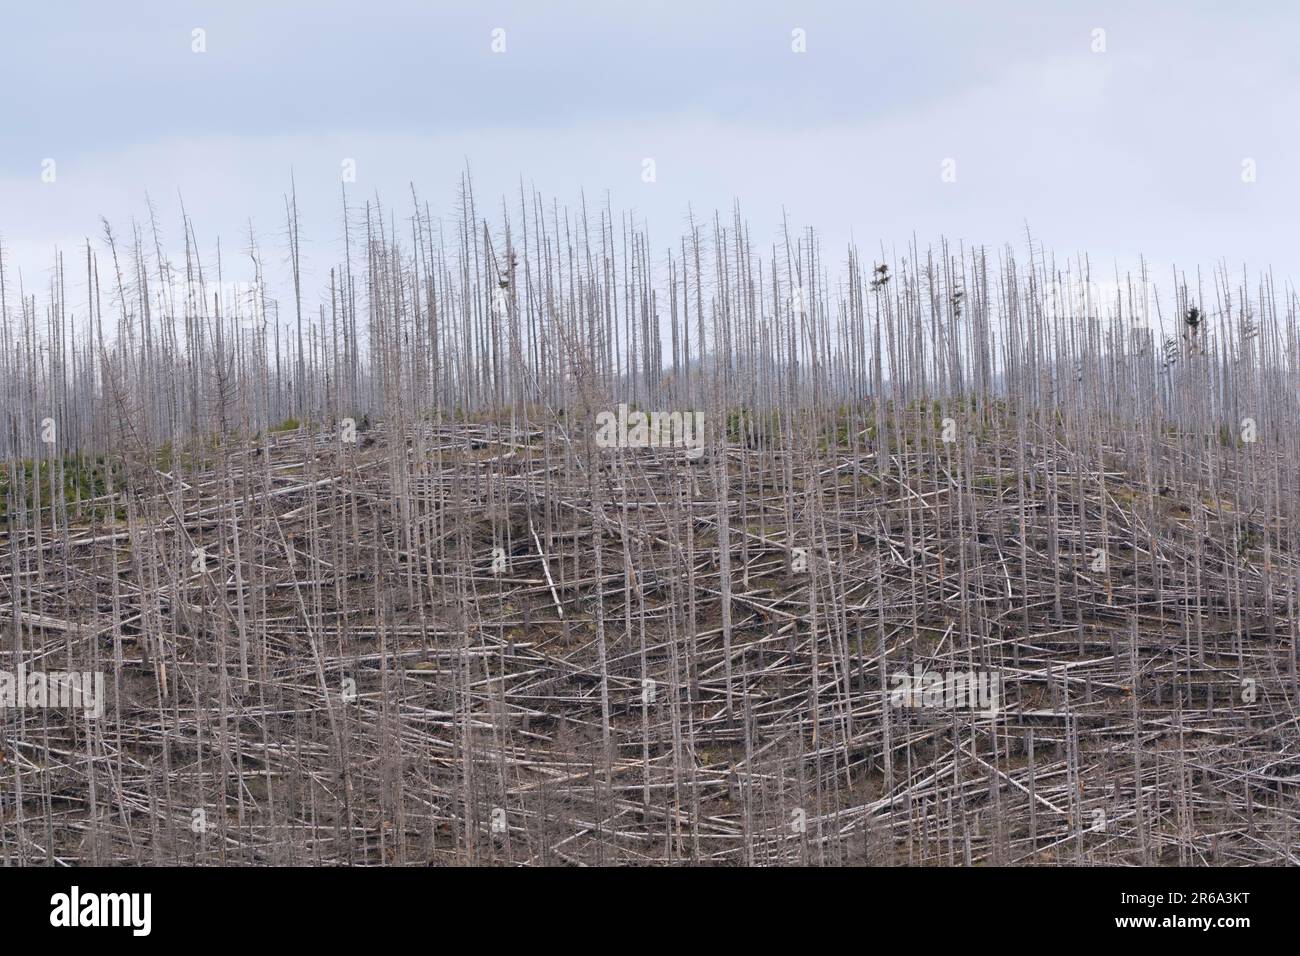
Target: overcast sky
1139,148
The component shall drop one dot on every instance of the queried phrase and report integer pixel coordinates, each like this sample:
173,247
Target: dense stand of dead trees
474,635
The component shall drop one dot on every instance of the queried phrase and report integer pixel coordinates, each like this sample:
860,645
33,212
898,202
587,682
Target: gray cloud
1138,149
